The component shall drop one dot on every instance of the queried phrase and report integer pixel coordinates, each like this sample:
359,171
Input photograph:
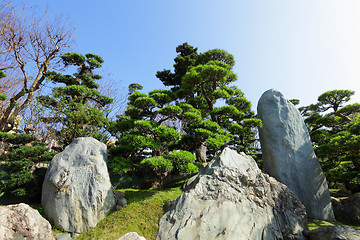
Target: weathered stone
334,233
120,200
20,221
131,236
288,154
77,192
63,236
347,209
232,199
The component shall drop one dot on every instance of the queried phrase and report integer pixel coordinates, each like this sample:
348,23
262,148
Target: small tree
333,127
19,163
76,109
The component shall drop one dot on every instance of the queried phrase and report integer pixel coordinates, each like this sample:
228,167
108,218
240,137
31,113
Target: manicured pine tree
204,81
76,109
334,131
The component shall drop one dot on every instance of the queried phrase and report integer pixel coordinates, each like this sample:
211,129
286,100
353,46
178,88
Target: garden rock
63,236
288,154
120,200
20,221
77,192
347,210
232,199
334,233
131,236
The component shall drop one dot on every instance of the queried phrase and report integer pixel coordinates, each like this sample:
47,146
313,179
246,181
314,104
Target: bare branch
30,46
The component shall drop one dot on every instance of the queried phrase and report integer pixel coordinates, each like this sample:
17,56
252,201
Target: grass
316,223
141,215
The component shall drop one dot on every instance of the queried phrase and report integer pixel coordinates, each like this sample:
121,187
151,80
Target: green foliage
17,138
158,163
76,109
202,108
134,87
183,161
202,80
334,130
17,172
2,74
3,97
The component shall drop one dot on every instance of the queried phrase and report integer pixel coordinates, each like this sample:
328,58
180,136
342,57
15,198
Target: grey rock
334,233
63,236
347,209
232,199
120,200
131,236
20,221
288,154
77,192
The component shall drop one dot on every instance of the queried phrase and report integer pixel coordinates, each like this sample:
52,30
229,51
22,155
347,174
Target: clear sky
303,48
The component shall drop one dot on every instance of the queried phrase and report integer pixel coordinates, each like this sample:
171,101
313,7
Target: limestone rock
131,236
232,199
347,210
288,154
334,233
20,221
77,192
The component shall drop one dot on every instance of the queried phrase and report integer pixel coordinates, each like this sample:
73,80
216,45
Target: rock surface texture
232,199
20,221
288,154
347,210
77,192
131,236
334,233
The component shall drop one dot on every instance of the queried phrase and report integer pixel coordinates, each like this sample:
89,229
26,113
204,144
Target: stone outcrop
288,154
20,221
77,192
131,236
347,210
232,199
334,233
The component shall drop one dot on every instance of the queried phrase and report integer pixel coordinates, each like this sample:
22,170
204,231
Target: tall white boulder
288,154
77,192
232,199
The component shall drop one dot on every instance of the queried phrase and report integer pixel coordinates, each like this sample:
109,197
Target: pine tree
76,109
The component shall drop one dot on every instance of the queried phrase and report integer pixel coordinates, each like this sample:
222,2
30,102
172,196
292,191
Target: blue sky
303,48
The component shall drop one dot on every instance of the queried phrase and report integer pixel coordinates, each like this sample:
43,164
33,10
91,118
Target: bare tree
29,47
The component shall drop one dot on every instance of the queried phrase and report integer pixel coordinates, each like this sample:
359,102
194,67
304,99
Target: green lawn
141,215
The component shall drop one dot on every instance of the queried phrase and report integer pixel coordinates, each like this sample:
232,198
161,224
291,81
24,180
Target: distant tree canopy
201,110
76,109
335,132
